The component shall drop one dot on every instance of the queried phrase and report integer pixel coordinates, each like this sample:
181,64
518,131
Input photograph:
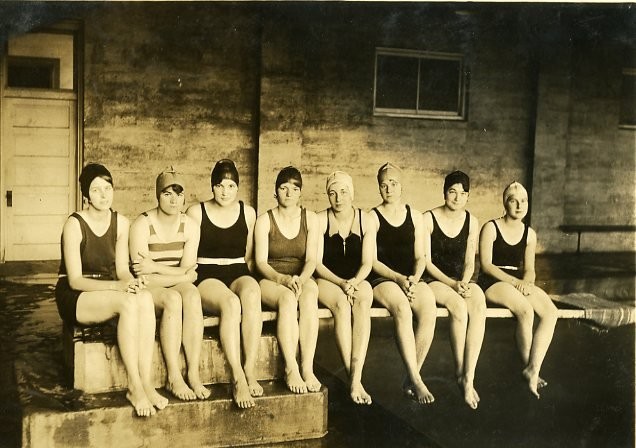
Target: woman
95,285
506,252
397,270
224,279
286,240
452,232
163,244
345,257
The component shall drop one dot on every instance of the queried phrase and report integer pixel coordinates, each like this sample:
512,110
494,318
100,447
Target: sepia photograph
317,224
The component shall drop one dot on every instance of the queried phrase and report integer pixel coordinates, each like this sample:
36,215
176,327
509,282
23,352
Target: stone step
100,420
94,365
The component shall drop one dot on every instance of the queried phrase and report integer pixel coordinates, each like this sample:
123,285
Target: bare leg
393,299
308,333
111,304
425,312
249,293
547,313
168,303
361,332
283,299
218,299
476,305
332,296
192,336
147,326
507,295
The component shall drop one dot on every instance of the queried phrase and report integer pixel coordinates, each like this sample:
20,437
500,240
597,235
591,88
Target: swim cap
342,177
167,178
386,167
511,189
89,173
457,177
224,169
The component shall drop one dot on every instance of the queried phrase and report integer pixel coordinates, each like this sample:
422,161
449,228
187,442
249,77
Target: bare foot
359,395
157,400
470,394
241,394
541,383
256,390
421,393
533,381
180,389
295,382
313,385
139,400
201,392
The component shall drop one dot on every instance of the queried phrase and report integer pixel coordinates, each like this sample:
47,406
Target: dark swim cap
89,173
289,174
224,169
457,177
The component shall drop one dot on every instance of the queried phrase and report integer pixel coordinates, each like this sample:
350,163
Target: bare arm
368,248
311,247
471,248
422,246
529,274
250,220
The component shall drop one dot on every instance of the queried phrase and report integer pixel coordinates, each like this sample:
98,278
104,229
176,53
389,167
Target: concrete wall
317,103
170,83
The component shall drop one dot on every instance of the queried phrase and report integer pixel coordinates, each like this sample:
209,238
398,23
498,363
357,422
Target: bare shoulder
416,216
250,213
122,220
312,218
474,222
532,235
194,211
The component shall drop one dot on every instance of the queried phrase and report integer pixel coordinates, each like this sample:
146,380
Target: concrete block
96,365
108,420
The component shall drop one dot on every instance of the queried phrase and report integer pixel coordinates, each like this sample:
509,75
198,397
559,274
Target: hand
293,283
191,274
349,288
143,265
136,284
524,287
463,289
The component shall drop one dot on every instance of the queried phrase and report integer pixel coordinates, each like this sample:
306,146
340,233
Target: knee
231,307
287,302
363,300
342,308
458,310
308,301
129,305
403,311
251,299
550,315
191,297
525,314
172,302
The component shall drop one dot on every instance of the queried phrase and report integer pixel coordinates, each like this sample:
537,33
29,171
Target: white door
38,144
39,171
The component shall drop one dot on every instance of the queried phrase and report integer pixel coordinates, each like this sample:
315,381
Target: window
419,84
41,61
41,73
627,117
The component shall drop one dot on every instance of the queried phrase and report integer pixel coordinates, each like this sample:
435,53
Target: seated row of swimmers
221,259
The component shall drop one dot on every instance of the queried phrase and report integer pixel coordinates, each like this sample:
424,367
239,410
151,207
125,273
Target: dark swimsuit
343,256
508,258
98,261
395,246
221,252
449,254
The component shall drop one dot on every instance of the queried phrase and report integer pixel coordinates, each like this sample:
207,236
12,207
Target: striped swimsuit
166,252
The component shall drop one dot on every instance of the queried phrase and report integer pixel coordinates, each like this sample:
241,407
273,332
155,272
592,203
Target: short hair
457,177
224,169
289,174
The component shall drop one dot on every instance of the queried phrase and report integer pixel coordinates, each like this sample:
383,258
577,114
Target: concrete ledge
108,420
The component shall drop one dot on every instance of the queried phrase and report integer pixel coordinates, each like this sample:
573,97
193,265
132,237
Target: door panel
39,141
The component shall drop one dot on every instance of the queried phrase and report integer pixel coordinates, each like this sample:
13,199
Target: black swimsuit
507,257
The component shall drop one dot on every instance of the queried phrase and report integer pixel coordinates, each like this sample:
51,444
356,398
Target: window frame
461,114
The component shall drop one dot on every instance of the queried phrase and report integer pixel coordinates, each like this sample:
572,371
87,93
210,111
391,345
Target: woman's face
100,194
171,202
455,197
390,186
288,194
339,196
225,192
516,204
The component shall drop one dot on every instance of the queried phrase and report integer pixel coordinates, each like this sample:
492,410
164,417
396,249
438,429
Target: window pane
628,100
39,73
396,83
439,85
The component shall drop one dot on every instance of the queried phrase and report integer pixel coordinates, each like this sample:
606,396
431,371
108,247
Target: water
589,401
